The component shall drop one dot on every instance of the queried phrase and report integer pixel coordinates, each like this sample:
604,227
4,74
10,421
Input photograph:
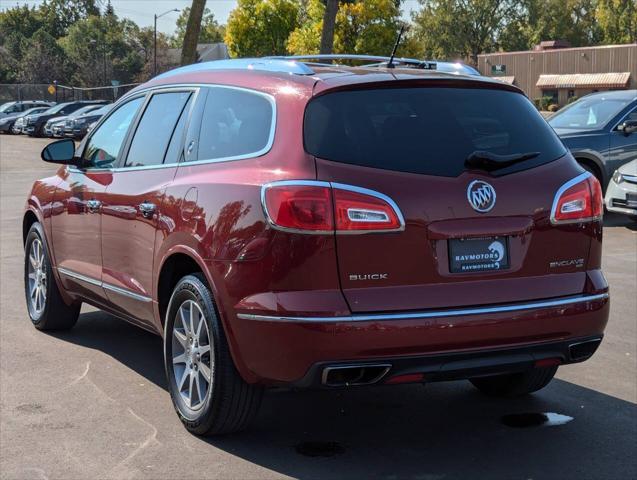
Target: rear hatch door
473,235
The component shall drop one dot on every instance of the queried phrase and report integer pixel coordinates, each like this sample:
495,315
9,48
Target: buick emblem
481,196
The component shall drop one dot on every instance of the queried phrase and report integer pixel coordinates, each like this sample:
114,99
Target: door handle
147,209
93,206
191,145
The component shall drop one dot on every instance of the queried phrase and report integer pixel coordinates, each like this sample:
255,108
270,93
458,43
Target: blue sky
142,11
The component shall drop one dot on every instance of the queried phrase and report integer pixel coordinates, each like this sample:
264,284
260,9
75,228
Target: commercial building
554,70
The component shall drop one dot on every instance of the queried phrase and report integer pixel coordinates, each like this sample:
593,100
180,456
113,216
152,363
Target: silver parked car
621,195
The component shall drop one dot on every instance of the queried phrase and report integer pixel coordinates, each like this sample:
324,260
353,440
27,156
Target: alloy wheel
37,277
191,355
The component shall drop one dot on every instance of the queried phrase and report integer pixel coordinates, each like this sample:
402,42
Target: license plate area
484,254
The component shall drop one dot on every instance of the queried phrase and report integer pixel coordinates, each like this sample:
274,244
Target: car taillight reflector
578,200
308,206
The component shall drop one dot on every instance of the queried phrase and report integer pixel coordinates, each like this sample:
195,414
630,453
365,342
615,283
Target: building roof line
555,50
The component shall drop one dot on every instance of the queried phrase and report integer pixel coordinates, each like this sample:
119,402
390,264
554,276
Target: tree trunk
329,22
189,49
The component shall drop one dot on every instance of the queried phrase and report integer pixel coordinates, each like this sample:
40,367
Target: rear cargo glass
426,130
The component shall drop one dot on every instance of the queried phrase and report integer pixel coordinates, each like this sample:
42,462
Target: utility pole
155,39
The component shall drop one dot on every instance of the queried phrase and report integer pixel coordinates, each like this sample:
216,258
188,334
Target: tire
45,305
515,384
212,398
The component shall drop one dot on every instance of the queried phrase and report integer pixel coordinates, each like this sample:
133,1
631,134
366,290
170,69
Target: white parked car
621,194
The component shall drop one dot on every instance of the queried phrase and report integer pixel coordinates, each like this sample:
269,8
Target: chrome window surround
373,317
107,286
561,190
333,185
169,88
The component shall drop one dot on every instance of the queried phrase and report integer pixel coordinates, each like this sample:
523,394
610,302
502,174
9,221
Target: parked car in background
47,131
55,127
283,223
77,126
35,123
10,108
7,123
621,194
600,130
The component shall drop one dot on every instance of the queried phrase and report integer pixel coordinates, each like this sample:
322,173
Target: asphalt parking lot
92,402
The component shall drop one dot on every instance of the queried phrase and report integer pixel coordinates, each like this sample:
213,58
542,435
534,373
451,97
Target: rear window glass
235,123
426,130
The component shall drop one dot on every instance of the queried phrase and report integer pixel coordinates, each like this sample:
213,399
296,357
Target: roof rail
268,64
378,60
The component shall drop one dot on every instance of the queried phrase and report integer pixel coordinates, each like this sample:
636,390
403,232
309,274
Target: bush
553,107
574,98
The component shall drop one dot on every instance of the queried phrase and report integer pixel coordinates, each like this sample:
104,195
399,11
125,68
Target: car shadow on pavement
136,348
441,430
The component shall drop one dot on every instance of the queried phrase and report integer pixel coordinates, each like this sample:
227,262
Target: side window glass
173,154
105,144
234,123
156,128
632,115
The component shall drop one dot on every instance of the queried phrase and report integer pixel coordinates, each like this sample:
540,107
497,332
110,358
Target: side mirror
62,152
628,127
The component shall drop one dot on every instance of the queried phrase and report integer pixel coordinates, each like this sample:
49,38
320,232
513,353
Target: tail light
307,206
578,200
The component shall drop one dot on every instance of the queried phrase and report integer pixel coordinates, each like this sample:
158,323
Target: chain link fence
10,92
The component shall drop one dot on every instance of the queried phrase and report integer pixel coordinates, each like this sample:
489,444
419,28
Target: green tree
43,60
59,15
211,31
23,20
362,27
617,20
537,20
261,27
448,29
103,49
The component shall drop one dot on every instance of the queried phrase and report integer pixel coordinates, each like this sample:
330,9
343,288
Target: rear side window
156,128
428,131
235,123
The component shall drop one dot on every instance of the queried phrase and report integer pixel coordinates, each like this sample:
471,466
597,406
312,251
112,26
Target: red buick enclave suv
290,223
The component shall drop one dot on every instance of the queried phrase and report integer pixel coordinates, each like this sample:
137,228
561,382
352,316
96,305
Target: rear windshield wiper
492,161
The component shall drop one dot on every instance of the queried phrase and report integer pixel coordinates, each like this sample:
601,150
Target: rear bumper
291,350
456,366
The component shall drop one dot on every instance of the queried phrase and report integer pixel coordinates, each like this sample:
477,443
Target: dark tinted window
156,128
426,130
234,122
173,153
104,145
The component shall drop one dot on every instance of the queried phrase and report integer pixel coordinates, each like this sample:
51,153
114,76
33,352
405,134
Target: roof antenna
390,64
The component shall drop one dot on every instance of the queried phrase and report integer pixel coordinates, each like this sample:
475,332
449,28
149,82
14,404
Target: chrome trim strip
429,313
558,194
107,286
78,276
126,293
339,186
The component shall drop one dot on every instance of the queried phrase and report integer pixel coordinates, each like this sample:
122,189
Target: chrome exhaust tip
583,350
354,375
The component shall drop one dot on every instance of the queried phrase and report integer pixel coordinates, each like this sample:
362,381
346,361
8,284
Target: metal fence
63,93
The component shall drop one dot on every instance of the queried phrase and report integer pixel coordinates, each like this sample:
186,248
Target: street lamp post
155,39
